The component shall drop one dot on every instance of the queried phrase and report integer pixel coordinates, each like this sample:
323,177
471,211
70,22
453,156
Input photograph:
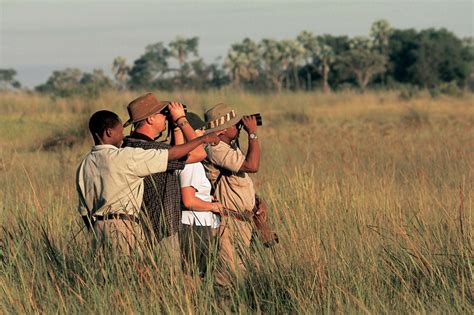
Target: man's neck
147,132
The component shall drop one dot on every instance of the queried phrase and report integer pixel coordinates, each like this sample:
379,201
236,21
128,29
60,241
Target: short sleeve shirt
110,180
235,188
194,176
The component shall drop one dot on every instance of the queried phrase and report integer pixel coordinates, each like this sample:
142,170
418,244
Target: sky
38,36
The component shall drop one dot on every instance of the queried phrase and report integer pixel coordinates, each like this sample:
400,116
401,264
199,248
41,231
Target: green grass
371,197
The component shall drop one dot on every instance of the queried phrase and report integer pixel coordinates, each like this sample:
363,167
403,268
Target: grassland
371,196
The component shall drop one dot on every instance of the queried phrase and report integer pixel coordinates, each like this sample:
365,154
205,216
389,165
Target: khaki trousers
234,242
124,236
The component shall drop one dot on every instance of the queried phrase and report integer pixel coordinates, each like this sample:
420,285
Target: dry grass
371,196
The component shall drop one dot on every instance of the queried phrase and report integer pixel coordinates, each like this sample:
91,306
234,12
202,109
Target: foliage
362,61
7,80
71,81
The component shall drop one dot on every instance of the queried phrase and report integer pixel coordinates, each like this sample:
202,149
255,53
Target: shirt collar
103,147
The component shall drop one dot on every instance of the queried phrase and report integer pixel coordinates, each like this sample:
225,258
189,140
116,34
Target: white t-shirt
193,175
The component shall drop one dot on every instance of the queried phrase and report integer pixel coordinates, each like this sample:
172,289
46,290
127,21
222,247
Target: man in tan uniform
228,170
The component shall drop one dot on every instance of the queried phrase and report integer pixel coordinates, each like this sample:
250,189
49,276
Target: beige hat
220,117
143,107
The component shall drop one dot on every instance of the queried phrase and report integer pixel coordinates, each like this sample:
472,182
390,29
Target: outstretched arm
178,151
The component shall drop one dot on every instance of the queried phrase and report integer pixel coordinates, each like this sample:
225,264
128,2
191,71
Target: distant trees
243,62
7,80
362,60
388,57
72,81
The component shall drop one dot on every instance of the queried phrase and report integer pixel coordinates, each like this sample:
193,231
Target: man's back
110,180
234,188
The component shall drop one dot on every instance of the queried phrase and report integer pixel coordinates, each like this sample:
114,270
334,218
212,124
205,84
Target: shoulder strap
214,186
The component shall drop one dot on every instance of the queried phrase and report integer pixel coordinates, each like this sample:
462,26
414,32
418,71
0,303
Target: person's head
223,117
146,115
196,123
106,128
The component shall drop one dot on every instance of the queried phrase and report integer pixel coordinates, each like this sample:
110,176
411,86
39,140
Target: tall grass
371,197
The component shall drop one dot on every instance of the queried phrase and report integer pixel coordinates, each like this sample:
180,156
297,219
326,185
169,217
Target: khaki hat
143,107
220,117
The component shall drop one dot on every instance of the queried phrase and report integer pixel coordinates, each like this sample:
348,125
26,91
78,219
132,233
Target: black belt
117,216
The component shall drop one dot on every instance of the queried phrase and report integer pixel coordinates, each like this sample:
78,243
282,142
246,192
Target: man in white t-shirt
110,181
199,218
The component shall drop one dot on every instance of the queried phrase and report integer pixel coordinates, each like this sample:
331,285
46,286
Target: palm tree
180,49
275,61
293,52
242,61
310,45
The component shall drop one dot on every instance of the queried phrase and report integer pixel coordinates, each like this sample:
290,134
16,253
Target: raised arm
178,116
252,159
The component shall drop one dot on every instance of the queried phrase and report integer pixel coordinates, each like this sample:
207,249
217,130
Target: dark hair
101,121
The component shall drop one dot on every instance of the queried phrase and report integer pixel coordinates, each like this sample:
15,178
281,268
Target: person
200,217
162,198
109,182
228,170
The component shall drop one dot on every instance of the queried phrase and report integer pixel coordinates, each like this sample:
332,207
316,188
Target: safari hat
220,117
143,107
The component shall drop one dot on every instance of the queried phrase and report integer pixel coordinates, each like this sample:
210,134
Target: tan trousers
124,236
234,242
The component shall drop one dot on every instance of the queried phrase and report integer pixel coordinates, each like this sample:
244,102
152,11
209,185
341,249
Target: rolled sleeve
147,162
228,158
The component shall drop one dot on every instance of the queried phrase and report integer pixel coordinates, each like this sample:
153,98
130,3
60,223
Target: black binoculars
258,118
165,111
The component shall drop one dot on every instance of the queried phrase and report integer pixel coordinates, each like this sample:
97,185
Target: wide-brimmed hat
143,107
220,117
195,120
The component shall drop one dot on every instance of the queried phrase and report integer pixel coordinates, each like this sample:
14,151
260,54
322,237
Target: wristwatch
253,136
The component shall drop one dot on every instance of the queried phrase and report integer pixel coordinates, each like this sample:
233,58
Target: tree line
387,58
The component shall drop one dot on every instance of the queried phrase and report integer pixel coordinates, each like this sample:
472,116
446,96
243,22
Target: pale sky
38,36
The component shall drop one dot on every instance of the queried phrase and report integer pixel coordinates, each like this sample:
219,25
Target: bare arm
178,151
178,116
191,202
252,159
196,155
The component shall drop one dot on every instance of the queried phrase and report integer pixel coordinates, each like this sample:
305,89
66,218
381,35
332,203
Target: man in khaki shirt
110,181
228,170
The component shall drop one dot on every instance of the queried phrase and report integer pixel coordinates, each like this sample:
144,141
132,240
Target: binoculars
257,116
165,111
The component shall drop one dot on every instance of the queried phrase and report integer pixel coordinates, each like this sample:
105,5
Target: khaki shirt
110,180
235,189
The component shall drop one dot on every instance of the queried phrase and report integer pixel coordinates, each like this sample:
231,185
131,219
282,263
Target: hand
211,138
250,124
217,207
176,110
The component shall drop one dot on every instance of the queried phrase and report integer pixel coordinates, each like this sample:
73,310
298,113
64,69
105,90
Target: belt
117,216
